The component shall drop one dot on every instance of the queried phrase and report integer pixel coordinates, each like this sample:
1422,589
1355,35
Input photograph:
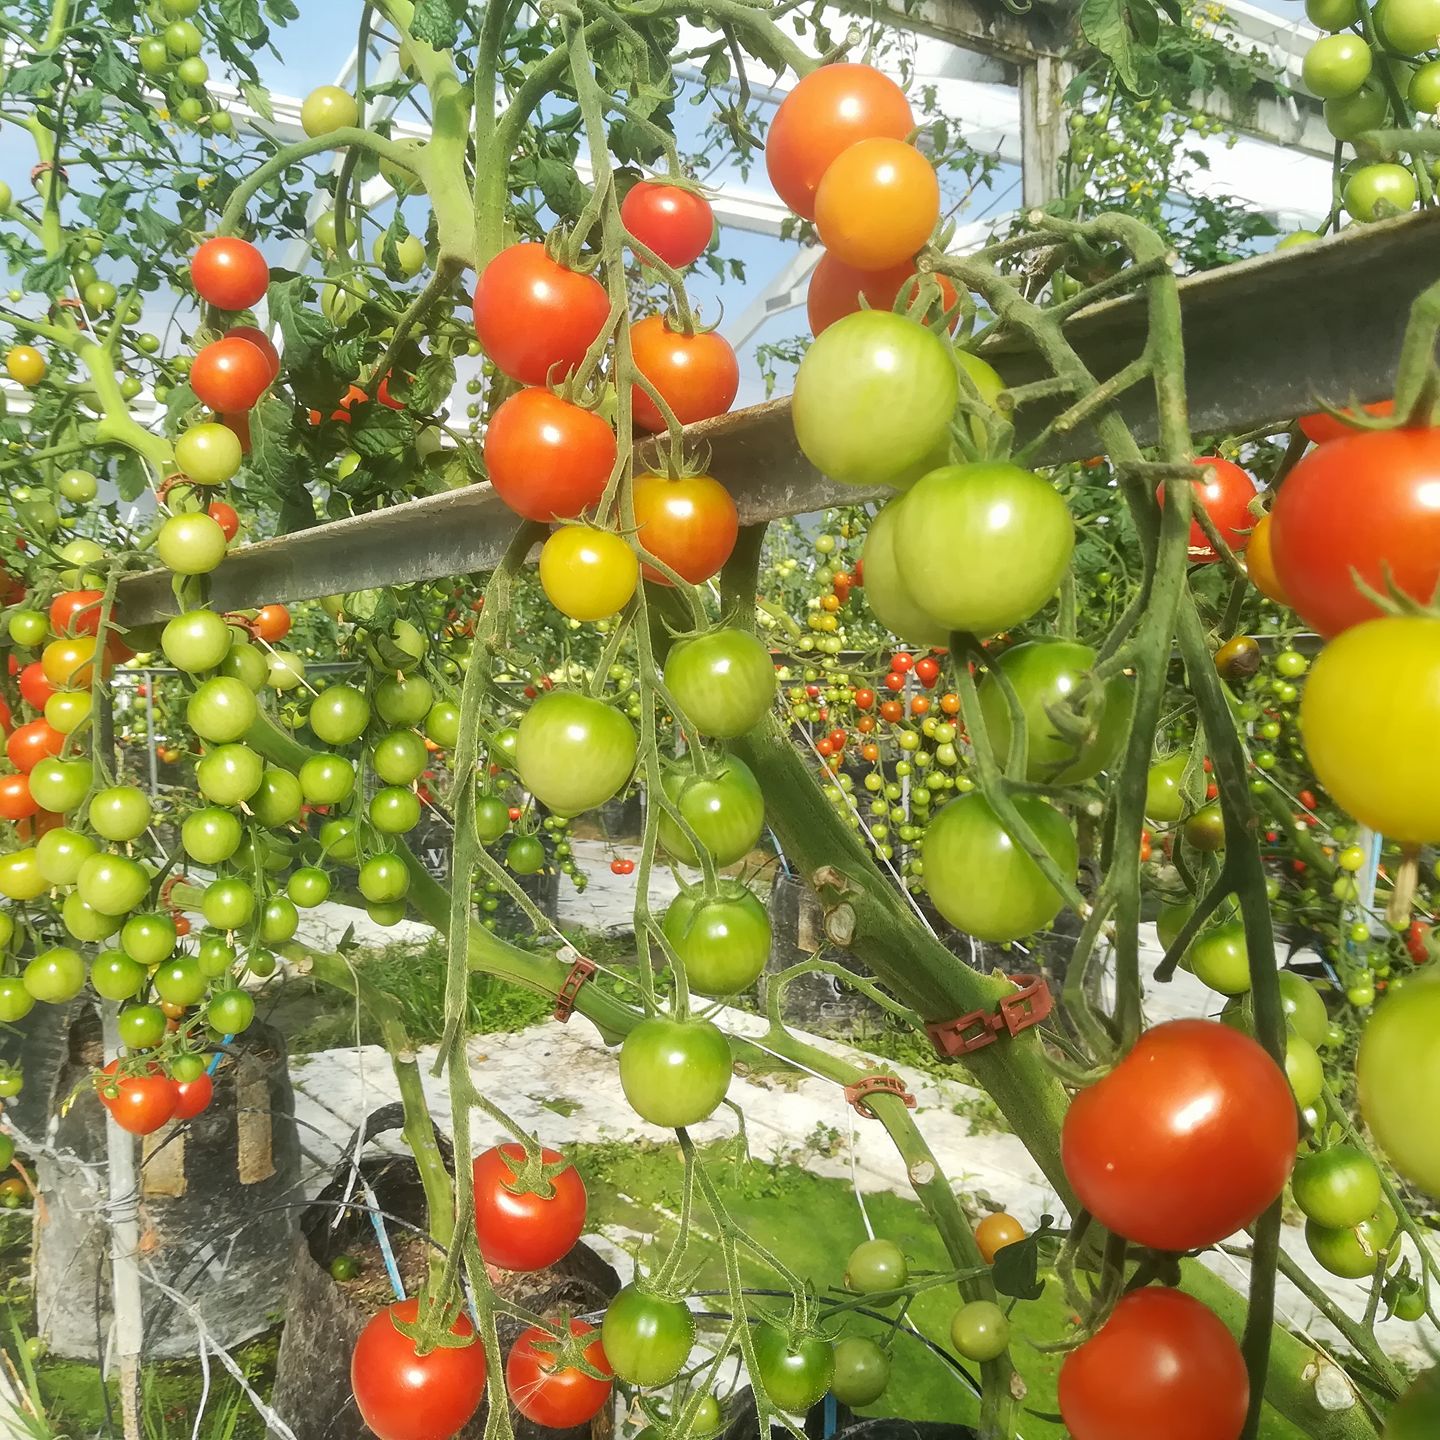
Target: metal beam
1264,340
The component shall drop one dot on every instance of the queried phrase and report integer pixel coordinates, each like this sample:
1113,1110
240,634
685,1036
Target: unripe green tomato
116,975
409,256
78,486
1409,27
1336,65
190,544
182,39
99,295
209,453
1375,191
1353,114
153,55
193,72
979,1330
328,108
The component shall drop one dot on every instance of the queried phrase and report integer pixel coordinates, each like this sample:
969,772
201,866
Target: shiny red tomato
675,223
261,341
230,375
139,1103
690,524
1163,1364
1368,503
76,612
272,623
548,459
1323,427
836,290
402,1395
226,517
1186,1141
35,687
229,273
193,1096
16,802
697,375
33,742
1226,498
828,111
554,1395
523,1230
535,318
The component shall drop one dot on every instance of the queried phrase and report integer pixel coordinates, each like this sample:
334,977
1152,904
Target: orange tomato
1260,563
995,1232
877,204
836,290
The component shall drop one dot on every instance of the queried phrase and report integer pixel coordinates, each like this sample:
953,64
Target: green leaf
152,229
305,329
257,97
560,186
1016,1270
242,19
27,79
437,23
281,11
131,478
109,72
379,430
1106,25
49,277
434,380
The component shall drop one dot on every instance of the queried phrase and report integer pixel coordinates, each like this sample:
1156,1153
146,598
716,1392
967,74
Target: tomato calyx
531,1173
562,1342
436,1327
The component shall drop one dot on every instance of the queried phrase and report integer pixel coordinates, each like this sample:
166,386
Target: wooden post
1042,127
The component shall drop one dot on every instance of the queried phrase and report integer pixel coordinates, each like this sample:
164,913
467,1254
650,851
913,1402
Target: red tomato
525,1231
230,375
239,425
140,1104
1161,1365
33,742
864,699
272,623
193,1096
877,204
548,459
691,524
12,591
226,517
261,341
1415,945
535,318
1186,1141
35,689
402,1395
676,224
1323,427
1368,503
927,671
829,110
557,1398
697,375
7,720
1226,499
76,612
229,273
15,799
836,290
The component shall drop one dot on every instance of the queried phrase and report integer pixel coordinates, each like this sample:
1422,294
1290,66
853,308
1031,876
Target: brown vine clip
168,887
877,1085
1031,1003
247,623
580,972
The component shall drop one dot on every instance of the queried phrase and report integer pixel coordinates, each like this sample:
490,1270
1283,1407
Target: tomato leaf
242,19
434,380
1016,1270
305,330
27,79
378,430
1108,25
131,478
257,97
437,23
49,277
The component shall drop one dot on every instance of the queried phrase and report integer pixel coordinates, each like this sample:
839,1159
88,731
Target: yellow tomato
588,574
25,365
1369,717
67,662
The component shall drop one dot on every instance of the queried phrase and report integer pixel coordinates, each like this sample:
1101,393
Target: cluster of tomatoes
1347,69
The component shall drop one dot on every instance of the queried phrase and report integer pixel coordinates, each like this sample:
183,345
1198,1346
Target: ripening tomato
1367,504
690,524
826,112
524,1229
261,341
76,612
16,802
230,375
588,574
836,290
877,204
1162,1364
1226,497
1322,427
403,1395
1186,1141
547,458
981,880
697,375
555,1396
229,273
193,1096
33,742
535,318
1368,719
226,517
1260,563
675,223
35,687
272,623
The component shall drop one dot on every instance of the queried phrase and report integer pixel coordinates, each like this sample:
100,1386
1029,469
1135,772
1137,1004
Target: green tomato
328,108
209,453
725,808
1332,15
404,700
1011,525
1219,959
112,884
723,682
795,1370
442,724
674,1072
60,785
309,887
116,976
56,976
492,818
222,710
149,939
1304,1009
215,955
399,758
886,590
339,715
61,852
1303,1070
20,877
327,779
182,39
980,1330
120,813
190,544
384,879
85,923
981,880
647,1337
246,663
1410,27
16,1002
278,920
278,799
394,810
228,904
1336,65
574,752
862,1371
337,838
141,1027
1337,1188
875,1266
409,256
1354,1253
230,1011
1375,191
723,941
28,628
180,981
1364,109
1398,1070
1163,801
229,774
212,835
1425,88
1045,675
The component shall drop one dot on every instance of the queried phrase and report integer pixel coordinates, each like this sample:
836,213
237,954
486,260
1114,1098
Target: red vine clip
1029,1005
873,1085
580,972
170,883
